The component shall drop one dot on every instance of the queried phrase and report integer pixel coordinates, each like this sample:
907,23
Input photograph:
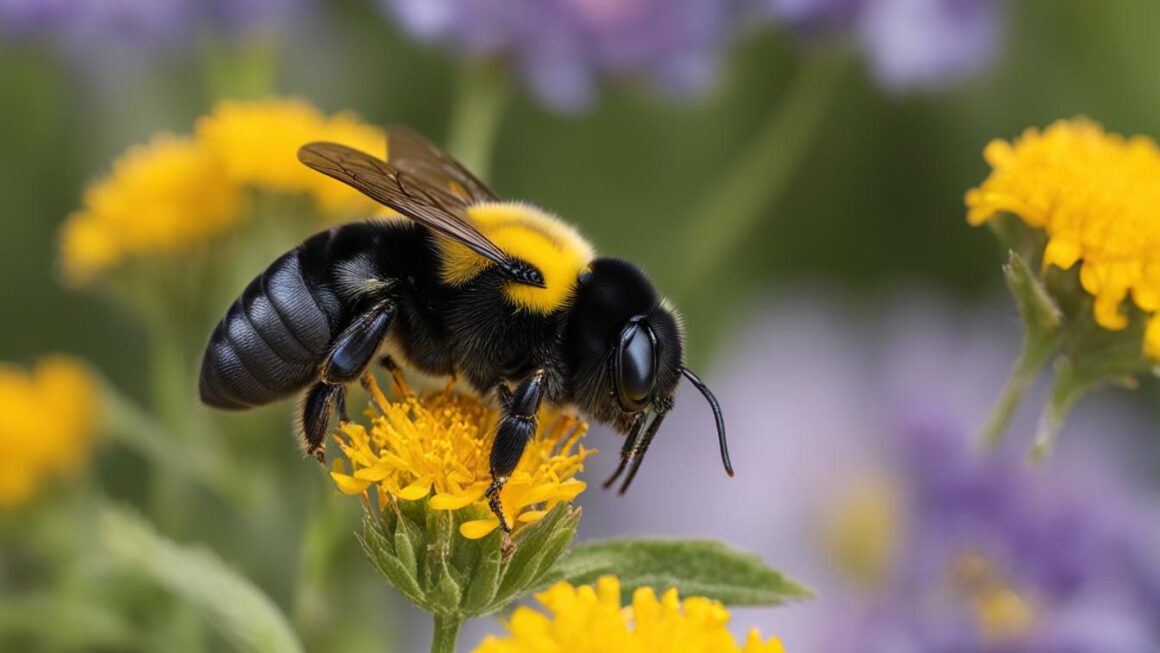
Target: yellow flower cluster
160,198
257,144
177,191
437,444
1097,196
48,418
590,619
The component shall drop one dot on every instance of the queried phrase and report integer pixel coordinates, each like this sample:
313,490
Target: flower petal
478,528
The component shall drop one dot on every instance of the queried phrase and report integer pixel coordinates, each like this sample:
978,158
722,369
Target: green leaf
695,567
378,550
485,582
531,544
1036,307
239,610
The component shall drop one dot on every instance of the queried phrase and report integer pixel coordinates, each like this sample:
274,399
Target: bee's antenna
717,415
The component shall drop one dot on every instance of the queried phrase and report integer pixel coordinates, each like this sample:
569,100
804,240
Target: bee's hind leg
350,354
317,407
515,429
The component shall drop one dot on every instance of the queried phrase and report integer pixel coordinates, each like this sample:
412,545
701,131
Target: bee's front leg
515,429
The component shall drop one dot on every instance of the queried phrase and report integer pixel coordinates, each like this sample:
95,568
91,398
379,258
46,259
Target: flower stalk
446,633
476,116
757,177
1042,320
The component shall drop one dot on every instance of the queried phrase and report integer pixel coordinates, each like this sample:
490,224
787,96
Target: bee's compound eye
635,366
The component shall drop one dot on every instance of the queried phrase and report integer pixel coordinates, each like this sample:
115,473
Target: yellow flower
591,620
160,198
1097,196
437,445
257,143
48,418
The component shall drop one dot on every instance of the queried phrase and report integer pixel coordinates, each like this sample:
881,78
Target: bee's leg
628,451
340,405
317,406
515,429
354,348
350,354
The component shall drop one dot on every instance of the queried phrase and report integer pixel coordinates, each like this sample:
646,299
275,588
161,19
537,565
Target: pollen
435,447
49,418
1097,197
591,619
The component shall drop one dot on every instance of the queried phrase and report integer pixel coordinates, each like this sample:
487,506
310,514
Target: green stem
446,633
756,179
246,70
131,426
1035,354
479,108
1067,389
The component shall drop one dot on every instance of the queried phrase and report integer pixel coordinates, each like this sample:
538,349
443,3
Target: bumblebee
499,293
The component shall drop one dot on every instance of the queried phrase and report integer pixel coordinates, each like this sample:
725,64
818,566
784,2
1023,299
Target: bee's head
626,357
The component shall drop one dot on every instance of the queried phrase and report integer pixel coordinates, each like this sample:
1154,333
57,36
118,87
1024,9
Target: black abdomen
274,337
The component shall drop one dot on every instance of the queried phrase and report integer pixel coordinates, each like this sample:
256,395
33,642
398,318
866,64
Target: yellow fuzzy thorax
529,234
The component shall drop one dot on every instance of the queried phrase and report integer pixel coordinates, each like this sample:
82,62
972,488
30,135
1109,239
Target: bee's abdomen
269,344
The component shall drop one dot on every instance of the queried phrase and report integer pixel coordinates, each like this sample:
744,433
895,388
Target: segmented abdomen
270,343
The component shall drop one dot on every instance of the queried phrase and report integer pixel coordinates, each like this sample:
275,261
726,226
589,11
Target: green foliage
234,606
695,567
421,553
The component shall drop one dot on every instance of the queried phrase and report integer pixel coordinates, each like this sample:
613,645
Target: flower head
1097,197
591,618
160,198
437,445
178,192
103,27
256,143
48,418
562,46
911,539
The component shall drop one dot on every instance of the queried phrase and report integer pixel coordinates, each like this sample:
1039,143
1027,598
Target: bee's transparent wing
416,197
413,154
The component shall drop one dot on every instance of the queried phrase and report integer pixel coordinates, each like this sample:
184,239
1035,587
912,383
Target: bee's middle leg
515,429
350,354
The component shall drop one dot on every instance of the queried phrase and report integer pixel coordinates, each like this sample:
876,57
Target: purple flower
88,23
856,473
561,47
927,44
99,26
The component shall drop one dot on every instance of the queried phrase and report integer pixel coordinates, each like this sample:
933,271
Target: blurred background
792,172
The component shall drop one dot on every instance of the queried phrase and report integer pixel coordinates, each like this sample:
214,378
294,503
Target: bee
501,294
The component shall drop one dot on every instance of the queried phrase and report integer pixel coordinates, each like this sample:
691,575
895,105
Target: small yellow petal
451,501
348,484
531,516
478,528
416,490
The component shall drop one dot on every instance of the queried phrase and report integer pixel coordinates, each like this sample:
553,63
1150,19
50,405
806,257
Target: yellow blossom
1001,613
1097,197
48,418
590,619
437,445
257,143
161,197
862,533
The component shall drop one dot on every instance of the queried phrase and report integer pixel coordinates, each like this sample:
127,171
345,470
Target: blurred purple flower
85,26
88,23
911,44
856,473
561,47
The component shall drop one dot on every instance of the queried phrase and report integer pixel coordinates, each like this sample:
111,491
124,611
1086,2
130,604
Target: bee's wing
413,154
413,195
